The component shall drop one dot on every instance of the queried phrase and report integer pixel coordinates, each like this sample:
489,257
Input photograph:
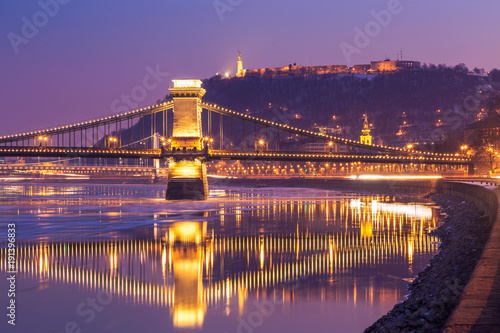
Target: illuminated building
366,138
393,66
375,67
486,130
241,72
360,69
298,70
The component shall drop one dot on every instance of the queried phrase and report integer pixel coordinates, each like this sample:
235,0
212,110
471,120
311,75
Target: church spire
366,125
366,138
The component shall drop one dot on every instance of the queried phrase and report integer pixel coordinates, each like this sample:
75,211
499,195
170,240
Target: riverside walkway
479,307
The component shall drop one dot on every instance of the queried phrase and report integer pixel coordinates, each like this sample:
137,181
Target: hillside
420,105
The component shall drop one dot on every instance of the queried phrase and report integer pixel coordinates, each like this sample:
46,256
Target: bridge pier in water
187,178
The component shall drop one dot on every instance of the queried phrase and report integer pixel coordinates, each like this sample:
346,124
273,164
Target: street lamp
261,144
166,142
330,144
112,142
464,148
42,140
207,142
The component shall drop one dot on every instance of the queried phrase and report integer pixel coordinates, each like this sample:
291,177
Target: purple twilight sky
68,60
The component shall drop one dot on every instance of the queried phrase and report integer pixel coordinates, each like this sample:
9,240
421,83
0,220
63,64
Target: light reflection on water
260,260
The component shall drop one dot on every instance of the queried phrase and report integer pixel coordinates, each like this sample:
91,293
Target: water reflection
188,270
199,261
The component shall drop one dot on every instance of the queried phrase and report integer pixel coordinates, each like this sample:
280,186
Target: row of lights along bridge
113,142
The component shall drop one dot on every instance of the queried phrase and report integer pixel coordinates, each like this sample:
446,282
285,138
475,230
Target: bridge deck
231,155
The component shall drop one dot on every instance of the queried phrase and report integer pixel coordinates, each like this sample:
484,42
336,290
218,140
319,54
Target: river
119,258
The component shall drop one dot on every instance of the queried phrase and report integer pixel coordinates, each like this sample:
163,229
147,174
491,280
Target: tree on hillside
461,68
478,71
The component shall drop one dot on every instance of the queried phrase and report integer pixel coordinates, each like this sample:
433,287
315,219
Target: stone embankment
459,290
436,291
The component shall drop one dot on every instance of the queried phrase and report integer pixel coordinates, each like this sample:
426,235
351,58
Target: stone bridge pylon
187,176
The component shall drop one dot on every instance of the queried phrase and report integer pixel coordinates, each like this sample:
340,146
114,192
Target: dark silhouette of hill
390,100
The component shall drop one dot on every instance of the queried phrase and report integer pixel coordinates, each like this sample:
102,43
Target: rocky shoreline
436,291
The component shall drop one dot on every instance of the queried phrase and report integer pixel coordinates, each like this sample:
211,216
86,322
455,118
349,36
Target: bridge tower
187,177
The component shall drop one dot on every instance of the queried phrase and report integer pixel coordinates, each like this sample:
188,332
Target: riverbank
436,291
